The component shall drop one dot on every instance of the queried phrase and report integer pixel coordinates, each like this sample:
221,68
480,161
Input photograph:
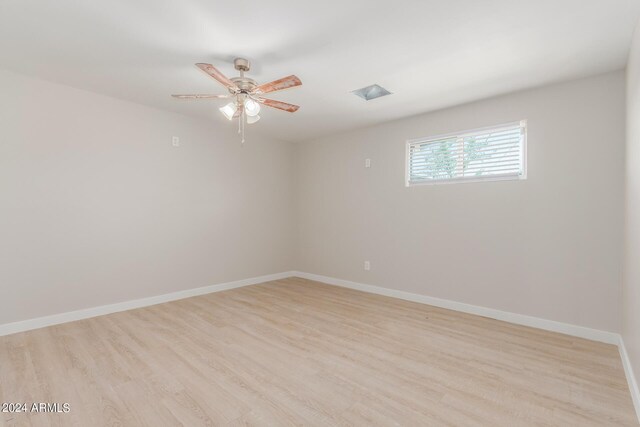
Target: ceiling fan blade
278,104
216,74
200,96
280,84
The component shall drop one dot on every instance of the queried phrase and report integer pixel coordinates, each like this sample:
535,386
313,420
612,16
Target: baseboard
519,319
631,378
41,322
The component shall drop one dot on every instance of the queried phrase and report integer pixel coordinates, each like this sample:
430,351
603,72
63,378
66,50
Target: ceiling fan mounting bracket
242,64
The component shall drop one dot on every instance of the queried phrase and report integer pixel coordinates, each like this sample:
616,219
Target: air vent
371,92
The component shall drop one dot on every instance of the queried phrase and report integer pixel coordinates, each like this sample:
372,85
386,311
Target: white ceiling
429,53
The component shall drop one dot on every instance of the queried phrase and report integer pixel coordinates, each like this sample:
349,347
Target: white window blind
485,154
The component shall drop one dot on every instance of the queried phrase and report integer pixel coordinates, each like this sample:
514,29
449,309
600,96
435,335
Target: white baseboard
631,378
519,319
41,322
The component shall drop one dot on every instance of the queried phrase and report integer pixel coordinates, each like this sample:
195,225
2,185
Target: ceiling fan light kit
245,94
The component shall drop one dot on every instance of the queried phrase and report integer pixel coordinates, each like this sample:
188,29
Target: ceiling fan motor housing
245,84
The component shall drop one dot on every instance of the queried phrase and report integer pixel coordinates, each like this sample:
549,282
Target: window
487,154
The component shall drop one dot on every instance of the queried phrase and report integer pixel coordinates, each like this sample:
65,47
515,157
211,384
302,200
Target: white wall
550,246
97,206
631,283
106,210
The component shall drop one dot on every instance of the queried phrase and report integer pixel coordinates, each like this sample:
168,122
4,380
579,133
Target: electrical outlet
367,265
367,163
175,141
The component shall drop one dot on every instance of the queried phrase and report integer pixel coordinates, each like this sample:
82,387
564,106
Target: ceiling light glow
251,107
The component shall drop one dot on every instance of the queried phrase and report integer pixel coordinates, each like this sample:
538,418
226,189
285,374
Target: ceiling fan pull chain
242,119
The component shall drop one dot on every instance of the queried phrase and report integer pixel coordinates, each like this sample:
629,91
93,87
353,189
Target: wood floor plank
298,352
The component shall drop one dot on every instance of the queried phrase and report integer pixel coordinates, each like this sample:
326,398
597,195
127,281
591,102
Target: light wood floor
304,353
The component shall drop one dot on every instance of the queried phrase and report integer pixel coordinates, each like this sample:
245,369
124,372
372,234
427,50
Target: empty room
355,213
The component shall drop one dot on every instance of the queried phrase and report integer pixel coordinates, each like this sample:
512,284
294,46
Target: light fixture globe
252,119
229,110
251,107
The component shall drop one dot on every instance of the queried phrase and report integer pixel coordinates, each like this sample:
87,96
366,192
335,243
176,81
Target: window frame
463,134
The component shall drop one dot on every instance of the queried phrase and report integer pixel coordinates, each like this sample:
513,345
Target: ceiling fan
246,94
